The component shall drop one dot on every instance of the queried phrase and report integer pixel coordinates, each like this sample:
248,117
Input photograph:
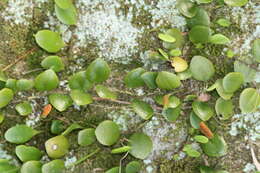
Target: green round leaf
249,100
236,3
67,16
256,50
203,1
201,139
201,68
46,81
224,108
166,38
7,167
20,134
113,170
60,101
141,145
201,18
202,110
104,92
53,62
219,39
80,98
2,117
6,96
187,8
24,108
107,133
133,167
200,34
133,79
54,166
98,71
149,79
80,81
220,89
233,81
167,80
171,101
144,110
49,41
11,84
223,22
24,84
177,34
63,3
171,114
216,147
185,74
164,54
194,120
86,137
32,167
57,146
248,73
175,52
57,127
190,151
27,153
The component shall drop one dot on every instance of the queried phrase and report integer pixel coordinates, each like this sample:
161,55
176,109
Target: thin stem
120,163
83,158
111,100
19,59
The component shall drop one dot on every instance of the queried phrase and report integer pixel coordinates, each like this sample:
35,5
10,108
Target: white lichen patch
249,168
166,138
5,155
20,12
248,124
125,118
248,20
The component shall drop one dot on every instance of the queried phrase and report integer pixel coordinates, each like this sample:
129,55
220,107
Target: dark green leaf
177,34
141,145
20,134
194,120
60,101
216,147
32,167
201,18
249,100
200,34
171,114
67,16
80,81
80,98
149,79
27,153
224,108
98,71
201,68
167,80
233,81
107,133
49,40
54,166
144,110
6,96
53,62
24,108
202,110
133,167
46,81
104,92
24,84
86,137
133,79
219,39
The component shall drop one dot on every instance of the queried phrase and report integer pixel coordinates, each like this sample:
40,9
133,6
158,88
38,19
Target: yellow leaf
179,64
